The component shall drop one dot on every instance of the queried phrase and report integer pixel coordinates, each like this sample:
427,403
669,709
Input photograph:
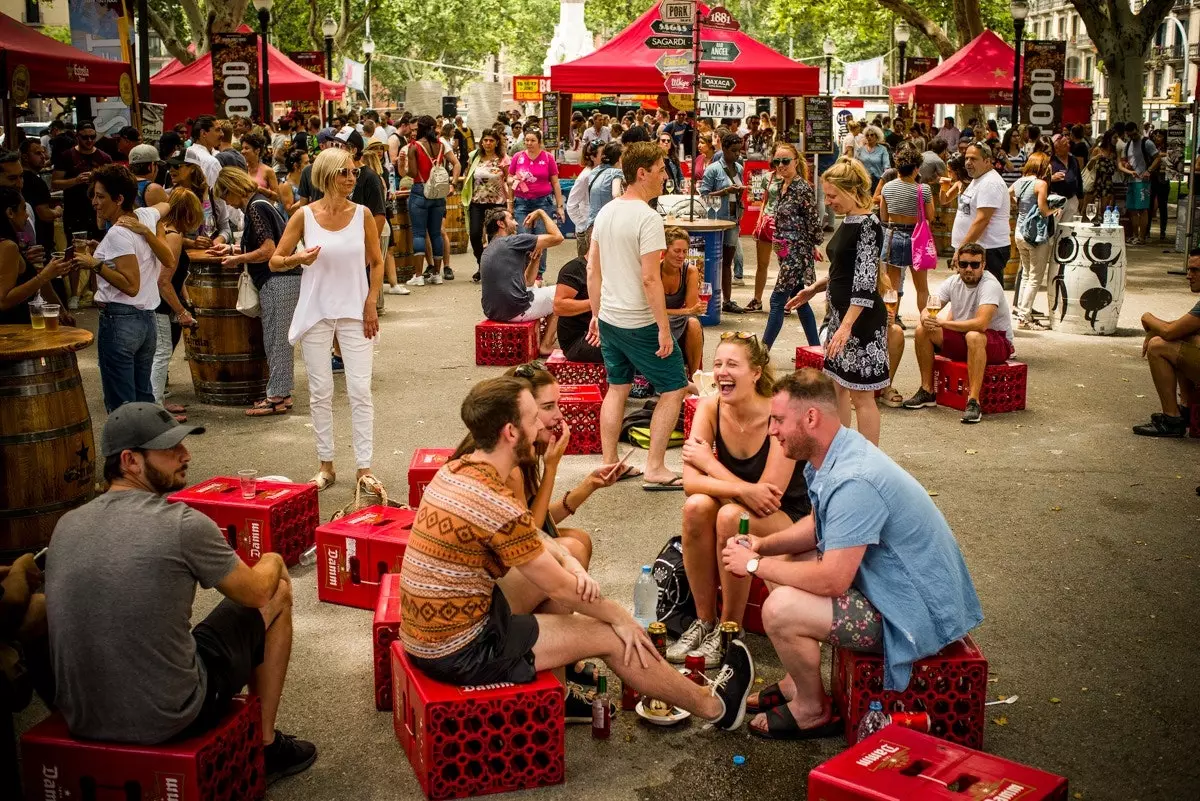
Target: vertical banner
354,74
235,74
103,29
152,122
916,66
314,62
1045,66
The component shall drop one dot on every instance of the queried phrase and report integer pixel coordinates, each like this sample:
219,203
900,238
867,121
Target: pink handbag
924,253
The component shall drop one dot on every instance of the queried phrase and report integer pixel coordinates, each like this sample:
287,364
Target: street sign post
679,83
674,62
670,28
656,42
680,11
720,17
726,52
716,83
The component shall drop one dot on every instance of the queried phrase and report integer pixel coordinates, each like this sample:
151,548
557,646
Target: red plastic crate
752,618
355,552
385,630
899,764
468,741
1003,385
224,764
689,414
421,470
951,686
580,406
280,517
506,344
577,373
810,356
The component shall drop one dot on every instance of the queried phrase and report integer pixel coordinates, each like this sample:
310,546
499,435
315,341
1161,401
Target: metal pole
1018,29
829,75
367,79
328,75
696,112
1191,233
903,71
143,46
264,17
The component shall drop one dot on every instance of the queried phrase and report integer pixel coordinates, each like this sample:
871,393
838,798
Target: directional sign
668,42
718,51
670,28
674,62
720,17
716,83
679,83
682,11
722,109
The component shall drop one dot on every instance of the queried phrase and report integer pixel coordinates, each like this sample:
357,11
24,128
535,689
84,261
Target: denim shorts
897,245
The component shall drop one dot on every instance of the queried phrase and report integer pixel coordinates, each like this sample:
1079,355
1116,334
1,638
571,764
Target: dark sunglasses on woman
781,162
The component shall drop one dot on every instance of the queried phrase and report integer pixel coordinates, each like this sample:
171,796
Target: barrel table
1088,269
47,454
402,238
225,349
456,225
707,239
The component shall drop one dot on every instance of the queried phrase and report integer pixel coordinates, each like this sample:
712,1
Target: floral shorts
857,624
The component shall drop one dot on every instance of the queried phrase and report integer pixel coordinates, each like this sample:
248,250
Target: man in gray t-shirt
121,579
974,325
1172,349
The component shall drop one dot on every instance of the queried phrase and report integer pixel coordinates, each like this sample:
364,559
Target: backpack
676,607
1036,229
437,187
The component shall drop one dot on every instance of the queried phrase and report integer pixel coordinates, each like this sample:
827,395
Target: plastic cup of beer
50,315
36,320
933,305
891,299
79,239
249,480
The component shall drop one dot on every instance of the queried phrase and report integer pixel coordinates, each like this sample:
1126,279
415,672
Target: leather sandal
371,484
267,407
323,480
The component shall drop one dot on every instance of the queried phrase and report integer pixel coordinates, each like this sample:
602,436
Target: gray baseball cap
142,425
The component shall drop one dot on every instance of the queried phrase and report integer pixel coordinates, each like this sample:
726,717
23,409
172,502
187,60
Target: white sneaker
416,280
397,289
711,648
691,640
739,281
435,278
73,303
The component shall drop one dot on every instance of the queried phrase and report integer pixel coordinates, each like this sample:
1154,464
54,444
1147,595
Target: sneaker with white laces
397,289
435,278
711,649
416,280
689,641
732,685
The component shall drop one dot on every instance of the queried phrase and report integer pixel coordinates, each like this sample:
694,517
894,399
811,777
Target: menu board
550,115
818,124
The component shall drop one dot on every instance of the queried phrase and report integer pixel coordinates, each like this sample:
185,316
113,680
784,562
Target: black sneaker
1162,425
973,413
732,685
287,756
579,704
336,364
477,277
447,274
921,399
429,273
732,307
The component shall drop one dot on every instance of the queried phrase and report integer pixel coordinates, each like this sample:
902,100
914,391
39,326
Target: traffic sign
668,42
674,62
682,11
670,28
726,52
720,17
716,83
680,83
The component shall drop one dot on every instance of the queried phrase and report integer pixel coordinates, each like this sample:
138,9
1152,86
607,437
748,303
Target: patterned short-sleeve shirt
468,532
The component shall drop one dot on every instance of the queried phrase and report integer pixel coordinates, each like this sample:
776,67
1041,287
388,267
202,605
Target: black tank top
177,280
19,314
676,299
795,503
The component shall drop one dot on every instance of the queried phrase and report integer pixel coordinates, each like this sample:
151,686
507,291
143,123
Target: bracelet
566,505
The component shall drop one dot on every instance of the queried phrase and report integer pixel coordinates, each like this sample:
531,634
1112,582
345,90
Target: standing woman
579,202
1028,192
795,232
485,188
1066,178
20,281
336,298
1160,185
873,155
956,182
425,214
534,178
898,212
1104,157
681,291
253,149
856,353
182,216
706,153
289,190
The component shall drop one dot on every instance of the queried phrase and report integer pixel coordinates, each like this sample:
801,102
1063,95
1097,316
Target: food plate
676,716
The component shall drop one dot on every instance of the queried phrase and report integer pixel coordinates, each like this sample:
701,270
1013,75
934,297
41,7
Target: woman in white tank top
337,298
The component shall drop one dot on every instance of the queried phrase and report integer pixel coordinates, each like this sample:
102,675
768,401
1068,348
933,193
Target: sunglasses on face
970,265
86,137
781,162
346,172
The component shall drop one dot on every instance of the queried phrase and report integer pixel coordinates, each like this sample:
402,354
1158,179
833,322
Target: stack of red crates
505,344
356,551
577,373
580,406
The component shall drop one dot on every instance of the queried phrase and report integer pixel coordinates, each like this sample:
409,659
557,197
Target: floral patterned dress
797,232
853,272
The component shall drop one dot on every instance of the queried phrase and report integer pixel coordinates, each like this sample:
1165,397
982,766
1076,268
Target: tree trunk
1122,39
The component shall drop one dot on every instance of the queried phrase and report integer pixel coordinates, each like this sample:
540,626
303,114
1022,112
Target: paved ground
1081,539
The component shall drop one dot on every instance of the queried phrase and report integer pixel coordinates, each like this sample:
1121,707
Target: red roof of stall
982,73
56,69
625,65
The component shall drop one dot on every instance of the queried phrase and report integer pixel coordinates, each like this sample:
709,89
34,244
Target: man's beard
977,277
526,455
801,448
161,482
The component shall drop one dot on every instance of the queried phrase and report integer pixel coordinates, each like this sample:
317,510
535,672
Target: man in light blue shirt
722,184
874,568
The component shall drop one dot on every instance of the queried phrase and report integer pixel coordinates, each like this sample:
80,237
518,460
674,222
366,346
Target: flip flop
781,725
630,471
674,485
266,407
769,697
323,480
585,676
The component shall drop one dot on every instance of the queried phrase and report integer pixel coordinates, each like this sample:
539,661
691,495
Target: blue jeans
125,352
426,216
775,319
523,207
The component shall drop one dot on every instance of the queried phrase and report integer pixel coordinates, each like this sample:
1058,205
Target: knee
728,518
694,332
776,614
1157,346
578,543
697,517
975,340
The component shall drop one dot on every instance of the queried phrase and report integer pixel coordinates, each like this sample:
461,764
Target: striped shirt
901,197
468,532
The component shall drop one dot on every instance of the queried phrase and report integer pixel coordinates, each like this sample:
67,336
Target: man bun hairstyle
490,406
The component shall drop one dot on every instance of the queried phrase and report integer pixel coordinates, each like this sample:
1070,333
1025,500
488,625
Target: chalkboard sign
818,124
550,115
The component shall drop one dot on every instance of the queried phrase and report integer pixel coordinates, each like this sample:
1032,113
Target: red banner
314,62
235,74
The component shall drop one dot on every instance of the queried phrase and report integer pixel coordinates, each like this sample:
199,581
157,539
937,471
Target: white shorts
542,306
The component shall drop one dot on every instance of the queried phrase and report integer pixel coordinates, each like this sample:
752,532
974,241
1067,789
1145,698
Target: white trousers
162,357
358,354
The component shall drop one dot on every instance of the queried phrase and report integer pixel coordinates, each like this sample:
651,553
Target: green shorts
628,349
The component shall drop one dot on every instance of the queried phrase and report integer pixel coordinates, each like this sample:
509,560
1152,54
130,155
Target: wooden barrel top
22,342
699,225
204,257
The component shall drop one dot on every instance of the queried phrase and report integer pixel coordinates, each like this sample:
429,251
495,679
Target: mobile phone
69,253
40,559
616,469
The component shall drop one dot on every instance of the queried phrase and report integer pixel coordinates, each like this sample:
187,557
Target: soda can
694,664
658,636
913,720
629,698
730,631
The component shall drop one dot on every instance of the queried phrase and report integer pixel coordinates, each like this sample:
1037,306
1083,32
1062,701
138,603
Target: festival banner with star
1042,79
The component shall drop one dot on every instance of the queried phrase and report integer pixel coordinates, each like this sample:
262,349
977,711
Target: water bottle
872,722
645,598
1110,215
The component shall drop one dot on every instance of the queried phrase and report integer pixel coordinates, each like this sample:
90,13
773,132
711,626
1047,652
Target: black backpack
676,607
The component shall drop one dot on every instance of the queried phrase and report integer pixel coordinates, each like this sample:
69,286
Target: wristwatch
752,566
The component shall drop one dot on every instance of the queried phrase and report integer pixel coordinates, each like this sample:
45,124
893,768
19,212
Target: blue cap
645,568
738,759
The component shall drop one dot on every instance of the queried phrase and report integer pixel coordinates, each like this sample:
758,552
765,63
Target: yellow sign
682,102
125,88
20,85
530,88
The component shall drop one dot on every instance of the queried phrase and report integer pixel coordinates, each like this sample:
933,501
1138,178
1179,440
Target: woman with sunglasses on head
485,188
791,225
681,291
336,298
732,466
215,228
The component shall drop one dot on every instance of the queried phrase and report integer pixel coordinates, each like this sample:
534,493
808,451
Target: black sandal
769,697
781,725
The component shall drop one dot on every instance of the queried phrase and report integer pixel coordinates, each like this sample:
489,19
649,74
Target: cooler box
355,552
421,470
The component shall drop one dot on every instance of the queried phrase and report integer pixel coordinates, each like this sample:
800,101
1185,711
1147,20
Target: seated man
470,532
1173,350
977,329
509,267
574,312
23,636
884,574
121,580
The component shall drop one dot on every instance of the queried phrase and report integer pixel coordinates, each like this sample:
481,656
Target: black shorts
503,651
995,260
230,643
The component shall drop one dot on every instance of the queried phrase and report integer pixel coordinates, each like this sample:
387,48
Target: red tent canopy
56,69
981,73
188,91
627,66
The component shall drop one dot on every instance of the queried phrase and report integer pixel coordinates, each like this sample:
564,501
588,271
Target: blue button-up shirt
715,179
912,571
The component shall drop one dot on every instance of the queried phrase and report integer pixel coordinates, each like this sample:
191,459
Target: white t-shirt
123,242
379,135
626,230
965,301
988,191
208,163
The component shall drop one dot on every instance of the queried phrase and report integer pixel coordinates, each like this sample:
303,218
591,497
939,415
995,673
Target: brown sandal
267,407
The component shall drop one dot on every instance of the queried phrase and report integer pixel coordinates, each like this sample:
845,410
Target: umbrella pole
695,112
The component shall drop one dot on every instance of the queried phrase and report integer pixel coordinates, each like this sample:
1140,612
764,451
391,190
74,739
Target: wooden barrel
1014,259
47,454
456,224
402,241
941,227
225,349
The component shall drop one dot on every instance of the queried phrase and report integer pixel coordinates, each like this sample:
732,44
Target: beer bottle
601,717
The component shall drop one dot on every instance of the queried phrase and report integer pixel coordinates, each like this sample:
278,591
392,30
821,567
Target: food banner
235,74
1042,81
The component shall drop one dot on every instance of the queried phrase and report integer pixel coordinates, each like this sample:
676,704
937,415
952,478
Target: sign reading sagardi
235,74
1042,84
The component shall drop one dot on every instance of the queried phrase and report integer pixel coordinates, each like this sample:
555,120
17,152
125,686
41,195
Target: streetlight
368,47
830,48
264,17
329,27
1020,10
902,33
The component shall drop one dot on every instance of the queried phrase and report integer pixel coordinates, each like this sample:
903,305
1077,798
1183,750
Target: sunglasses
346,172
970,265
85,137
529,369
781,162
743,336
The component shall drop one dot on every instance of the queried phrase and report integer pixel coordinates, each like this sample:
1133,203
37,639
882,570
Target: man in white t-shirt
629,311
596,131
976,328
983,209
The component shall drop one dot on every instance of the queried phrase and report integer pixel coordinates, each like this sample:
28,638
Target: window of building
1158,82
33,13
1072,68
1074,25
1062,26
1088,66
